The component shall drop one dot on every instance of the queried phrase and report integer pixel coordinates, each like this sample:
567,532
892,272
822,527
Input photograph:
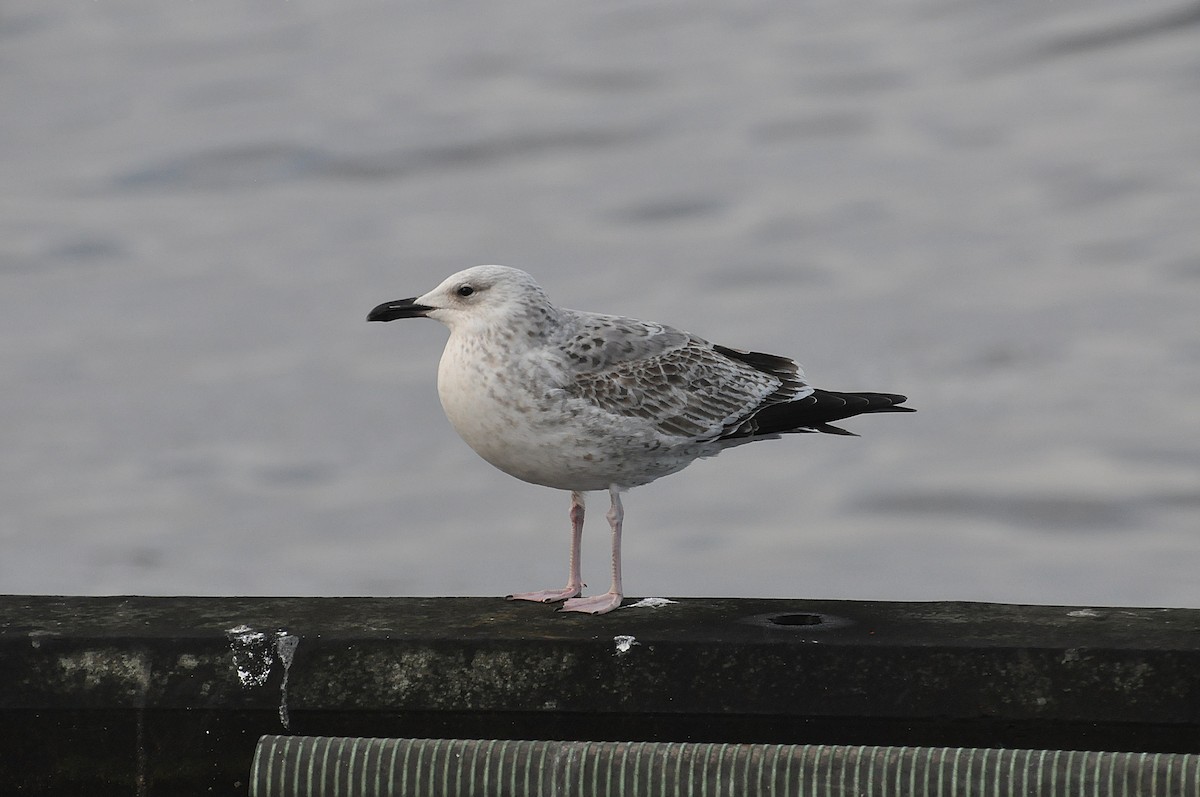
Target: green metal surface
314,766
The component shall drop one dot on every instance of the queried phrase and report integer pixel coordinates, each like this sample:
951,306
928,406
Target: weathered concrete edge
696,657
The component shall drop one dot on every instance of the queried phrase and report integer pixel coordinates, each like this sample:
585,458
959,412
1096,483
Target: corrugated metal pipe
297,766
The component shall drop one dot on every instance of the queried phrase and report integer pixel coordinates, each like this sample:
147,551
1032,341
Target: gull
582,401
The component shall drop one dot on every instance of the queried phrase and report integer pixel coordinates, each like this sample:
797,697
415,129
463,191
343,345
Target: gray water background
991,207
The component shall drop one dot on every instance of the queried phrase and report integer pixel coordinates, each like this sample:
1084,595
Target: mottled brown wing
681,385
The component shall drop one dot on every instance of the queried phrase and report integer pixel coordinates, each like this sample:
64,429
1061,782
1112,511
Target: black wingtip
829,428
816,412
875,402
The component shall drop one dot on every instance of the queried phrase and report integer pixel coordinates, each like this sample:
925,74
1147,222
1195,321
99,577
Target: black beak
401,308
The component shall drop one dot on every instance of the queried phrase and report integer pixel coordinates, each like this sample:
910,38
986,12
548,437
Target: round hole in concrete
795,619
800,622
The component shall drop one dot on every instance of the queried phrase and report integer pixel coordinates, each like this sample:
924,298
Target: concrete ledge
167,695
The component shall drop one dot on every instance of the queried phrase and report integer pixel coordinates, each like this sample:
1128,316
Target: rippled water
990,207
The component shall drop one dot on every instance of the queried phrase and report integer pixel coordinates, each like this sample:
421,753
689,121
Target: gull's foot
596,604
546,595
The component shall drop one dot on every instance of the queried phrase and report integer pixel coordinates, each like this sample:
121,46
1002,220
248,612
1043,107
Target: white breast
508,411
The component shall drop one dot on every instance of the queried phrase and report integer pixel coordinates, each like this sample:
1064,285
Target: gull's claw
596,604
546,595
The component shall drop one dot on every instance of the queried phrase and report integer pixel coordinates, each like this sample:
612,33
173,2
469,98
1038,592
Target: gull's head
482,294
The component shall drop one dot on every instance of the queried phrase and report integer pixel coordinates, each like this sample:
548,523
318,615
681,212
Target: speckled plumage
582,401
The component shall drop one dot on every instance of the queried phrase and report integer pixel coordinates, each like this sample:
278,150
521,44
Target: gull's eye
465,290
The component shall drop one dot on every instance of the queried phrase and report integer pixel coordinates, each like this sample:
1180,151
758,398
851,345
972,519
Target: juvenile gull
582,401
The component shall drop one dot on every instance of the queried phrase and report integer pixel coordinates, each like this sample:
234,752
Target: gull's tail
815,412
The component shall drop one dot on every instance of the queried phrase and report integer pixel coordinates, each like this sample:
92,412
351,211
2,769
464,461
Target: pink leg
602,604
574,582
